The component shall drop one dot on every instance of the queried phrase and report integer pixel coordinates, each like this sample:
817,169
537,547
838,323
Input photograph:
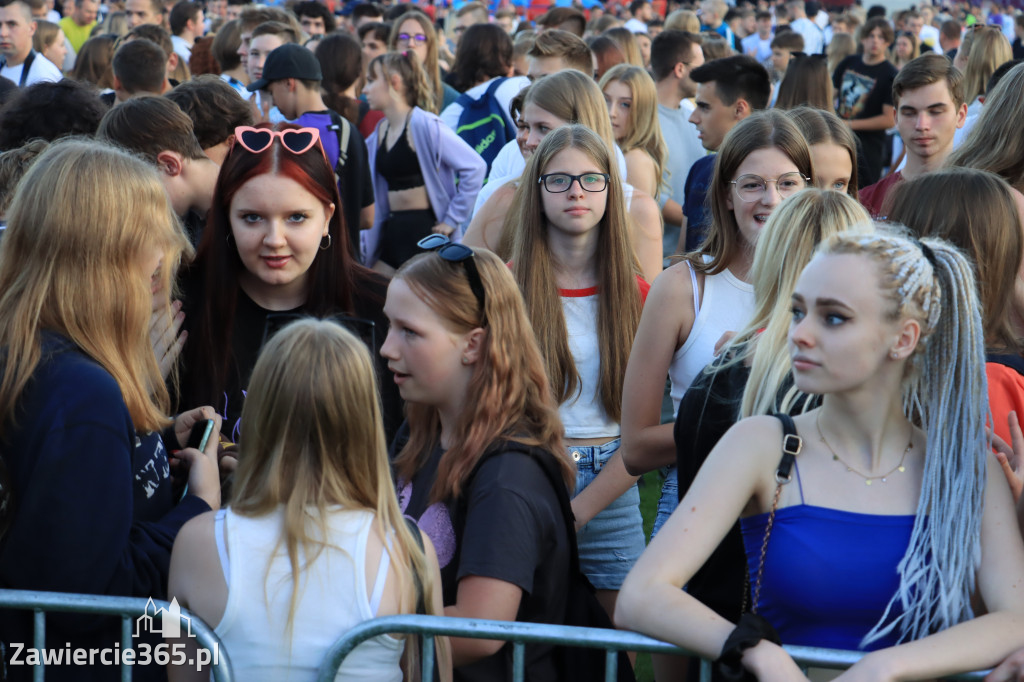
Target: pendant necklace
867,479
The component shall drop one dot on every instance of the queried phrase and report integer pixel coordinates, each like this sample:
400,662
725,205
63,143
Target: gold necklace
867,479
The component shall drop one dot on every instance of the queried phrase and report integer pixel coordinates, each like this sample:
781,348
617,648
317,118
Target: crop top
828,574
399,166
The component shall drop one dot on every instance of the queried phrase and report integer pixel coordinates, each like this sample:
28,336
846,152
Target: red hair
334,274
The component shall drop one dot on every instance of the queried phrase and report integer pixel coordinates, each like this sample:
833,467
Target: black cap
288,61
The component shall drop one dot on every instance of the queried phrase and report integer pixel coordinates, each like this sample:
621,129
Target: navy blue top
695,206
828,574
93,507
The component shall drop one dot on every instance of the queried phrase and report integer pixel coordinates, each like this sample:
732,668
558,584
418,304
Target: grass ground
650,491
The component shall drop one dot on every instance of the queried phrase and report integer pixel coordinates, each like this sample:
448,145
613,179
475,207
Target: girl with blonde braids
896,497
425,177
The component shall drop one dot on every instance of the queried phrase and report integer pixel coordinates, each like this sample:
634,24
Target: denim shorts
612,541
669,499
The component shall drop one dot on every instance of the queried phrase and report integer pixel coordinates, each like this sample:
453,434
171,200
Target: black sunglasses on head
458,253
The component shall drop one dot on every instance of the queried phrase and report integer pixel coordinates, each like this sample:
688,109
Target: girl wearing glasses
633,107
314,520
414,31
574,263
425,177
481,452
695,304
555,100
273,248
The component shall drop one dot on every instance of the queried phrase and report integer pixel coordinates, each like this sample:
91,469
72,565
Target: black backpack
581,607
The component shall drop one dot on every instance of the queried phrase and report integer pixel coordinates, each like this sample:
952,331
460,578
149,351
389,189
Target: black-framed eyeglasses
410,37
458,253
561,182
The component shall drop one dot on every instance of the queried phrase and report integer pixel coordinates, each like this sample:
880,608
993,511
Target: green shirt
77,35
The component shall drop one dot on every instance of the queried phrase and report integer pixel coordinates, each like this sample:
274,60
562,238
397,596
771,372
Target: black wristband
751,629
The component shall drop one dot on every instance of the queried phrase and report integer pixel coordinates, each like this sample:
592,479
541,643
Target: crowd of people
441,284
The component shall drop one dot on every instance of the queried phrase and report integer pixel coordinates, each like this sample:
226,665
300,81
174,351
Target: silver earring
322,247
894,355
465,360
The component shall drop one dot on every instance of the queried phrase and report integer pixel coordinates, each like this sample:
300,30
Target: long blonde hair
312,438
616,266
786,244
83,221
509,396
431,66
989,51
645,129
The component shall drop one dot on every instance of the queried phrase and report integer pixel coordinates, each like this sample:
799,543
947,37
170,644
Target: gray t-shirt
684,148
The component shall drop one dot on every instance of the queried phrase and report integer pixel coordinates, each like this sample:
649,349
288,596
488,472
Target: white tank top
333,600
727,306
582,414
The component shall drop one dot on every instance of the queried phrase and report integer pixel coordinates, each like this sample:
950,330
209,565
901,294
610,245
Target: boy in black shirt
863,85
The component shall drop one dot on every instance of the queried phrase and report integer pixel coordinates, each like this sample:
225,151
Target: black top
513,531
253,325
707,410
399,166
863,91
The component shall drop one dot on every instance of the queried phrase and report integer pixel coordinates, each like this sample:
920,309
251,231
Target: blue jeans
669,499
612,541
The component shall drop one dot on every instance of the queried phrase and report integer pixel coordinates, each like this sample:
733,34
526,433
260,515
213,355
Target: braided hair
932,282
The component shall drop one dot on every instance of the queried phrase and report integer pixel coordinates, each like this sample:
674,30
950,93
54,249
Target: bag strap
792,444
343,130
421,604
25,67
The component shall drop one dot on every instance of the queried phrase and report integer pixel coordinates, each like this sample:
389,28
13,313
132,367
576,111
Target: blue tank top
828,574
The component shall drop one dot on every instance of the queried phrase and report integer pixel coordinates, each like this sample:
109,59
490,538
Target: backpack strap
26,66
343,129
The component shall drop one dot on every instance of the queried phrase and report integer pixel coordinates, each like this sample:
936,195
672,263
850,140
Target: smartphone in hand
200,434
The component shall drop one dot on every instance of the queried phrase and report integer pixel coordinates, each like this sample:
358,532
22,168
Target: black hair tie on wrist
751,629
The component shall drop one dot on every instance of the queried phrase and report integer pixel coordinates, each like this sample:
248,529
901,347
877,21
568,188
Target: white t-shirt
182,48
636,26
757,48
814,38
930,36
504,94
42,69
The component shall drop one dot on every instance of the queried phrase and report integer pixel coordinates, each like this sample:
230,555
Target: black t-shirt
253,325
513,532
863,91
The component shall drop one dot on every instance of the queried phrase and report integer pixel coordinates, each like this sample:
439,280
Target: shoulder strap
343,129
25,67
792,444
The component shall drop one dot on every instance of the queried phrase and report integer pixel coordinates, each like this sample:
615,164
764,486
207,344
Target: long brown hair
74,266
645,129
509,396
616,266
761,130
313,438
975,211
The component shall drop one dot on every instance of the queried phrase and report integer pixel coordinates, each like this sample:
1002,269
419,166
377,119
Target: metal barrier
521,634
129,608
